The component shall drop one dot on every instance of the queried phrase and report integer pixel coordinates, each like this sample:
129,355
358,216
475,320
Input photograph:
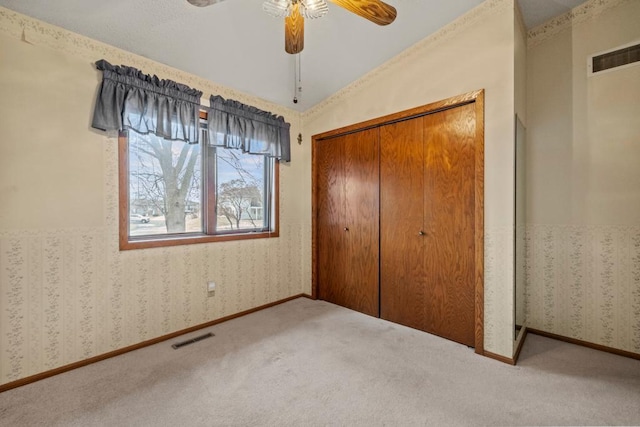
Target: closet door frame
475,97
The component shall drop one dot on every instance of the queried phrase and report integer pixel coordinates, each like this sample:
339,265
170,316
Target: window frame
159,241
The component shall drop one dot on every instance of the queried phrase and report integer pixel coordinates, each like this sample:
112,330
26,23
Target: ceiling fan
294,12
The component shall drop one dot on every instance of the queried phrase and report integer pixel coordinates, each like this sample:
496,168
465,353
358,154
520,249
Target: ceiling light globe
312,9
277,8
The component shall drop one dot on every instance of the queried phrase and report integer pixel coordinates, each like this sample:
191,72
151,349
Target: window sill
143,243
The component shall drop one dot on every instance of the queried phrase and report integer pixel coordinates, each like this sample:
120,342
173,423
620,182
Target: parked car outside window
138,218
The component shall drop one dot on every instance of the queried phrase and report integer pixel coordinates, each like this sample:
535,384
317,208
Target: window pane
165,186
240,191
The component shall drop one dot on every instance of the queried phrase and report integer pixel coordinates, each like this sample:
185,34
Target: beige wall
66,292
584,181
520,64
43,185
474,52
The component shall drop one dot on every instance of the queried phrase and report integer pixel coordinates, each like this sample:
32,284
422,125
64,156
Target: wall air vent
624,56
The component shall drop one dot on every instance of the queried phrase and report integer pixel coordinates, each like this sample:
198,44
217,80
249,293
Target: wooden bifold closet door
427,223
347,220
398,218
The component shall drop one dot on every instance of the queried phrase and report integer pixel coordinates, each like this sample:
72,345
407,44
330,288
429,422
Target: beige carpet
310,363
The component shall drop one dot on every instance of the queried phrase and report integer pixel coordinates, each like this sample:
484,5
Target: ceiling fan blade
375,11
203,3
294,31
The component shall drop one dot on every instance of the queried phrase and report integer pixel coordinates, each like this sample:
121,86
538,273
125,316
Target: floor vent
191,341
626,55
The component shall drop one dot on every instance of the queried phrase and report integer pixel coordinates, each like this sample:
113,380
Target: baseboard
524,331
81,363
594,346
510,360
503,359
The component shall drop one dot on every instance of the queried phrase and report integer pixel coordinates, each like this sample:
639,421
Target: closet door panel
449,223
362,213
330,201
348,221
402,281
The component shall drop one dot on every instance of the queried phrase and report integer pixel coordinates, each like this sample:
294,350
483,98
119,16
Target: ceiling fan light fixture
277,8
312,9
309,9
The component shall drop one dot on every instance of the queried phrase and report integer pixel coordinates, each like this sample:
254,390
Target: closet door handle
346,229
420,233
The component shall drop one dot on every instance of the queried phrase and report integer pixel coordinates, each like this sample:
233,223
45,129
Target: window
174,193
204,191
241,184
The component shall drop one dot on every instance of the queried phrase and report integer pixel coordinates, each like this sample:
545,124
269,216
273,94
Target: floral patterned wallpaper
583,282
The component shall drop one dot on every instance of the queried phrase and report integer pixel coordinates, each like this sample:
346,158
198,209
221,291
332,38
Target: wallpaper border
577,15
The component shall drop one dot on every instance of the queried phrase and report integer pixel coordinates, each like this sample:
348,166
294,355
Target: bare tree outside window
240,190
235,200
166,187
165,180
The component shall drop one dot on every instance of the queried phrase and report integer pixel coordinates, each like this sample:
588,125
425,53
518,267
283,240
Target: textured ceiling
234,43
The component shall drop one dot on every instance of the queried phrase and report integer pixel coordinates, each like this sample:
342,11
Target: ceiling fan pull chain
295,79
